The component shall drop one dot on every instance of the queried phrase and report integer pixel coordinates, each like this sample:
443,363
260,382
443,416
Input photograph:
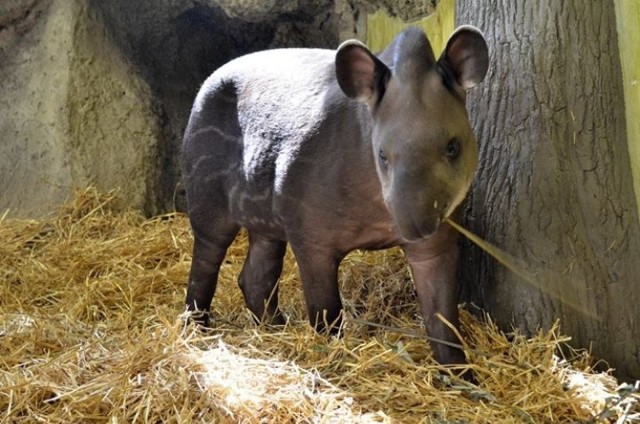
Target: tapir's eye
453,148
384,162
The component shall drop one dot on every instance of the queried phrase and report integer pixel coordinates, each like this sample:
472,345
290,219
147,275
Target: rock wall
73,111
34,77
98,92
113,117
177,44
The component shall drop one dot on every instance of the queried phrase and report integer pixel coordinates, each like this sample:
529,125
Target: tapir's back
250,122
254,104
292,82
277,93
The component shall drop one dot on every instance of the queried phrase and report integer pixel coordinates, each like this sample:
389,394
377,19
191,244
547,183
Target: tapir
332,151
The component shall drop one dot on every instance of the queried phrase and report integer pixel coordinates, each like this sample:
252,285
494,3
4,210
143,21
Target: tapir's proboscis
332,151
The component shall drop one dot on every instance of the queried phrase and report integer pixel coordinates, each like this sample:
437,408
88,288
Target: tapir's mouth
419,217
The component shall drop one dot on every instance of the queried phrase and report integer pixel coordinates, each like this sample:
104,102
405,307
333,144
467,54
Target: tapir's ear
466,57
361,75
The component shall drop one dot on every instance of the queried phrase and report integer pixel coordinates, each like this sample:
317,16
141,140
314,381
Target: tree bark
554,186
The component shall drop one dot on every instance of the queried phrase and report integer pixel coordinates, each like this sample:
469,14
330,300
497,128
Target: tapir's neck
357,193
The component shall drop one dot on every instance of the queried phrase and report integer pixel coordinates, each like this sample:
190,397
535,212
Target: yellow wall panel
381,29
628,17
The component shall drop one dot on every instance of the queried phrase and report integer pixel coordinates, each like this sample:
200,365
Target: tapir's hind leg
211,157
212,237
259,277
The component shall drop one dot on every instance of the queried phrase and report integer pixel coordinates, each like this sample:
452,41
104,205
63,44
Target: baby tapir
333,151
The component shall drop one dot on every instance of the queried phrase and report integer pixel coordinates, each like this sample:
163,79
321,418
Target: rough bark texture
555,186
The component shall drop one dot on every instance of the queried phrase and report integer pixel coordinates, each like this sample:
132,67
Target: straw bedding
92,330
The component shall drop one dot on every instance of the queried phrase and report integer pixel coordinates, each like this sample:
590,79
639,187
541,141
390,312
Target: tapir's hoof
468,376
199,318
276,320
333,329
452,375
455,360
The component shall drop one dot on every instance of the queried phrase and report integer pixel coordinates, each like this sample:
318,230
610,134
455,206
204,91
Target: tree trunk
554,187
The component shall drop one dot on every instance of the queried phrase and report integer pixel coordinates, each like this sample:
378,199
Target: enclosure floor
92,330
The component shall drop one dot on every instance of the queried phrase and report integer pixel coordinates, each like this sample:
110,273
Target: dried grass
90,331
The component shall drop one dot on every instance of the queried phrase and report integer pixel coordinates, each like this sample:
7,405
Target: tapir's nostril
440,206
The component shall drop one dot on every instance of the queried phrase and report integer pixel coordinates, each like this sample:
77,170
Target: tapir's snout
420,201
418,220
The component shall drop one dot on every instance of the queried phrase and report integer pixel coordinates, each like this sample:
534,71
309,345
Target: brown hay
90,331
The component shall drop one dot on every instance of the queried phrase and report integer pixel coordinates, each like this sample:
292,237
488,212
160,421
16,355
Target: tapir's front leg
319,274
434,265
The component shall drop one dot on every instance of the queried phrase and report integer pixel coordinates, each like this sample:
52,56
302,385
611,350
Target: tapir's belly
299,206
324,226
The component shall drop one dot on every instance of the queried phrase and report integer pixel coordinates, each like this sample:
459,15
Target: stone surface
407,10
73,113
177,44
257,10
34,75
98,92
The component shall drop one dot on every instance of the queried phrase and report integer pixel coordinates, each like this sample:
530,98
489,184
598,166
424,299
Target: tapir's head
425,151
